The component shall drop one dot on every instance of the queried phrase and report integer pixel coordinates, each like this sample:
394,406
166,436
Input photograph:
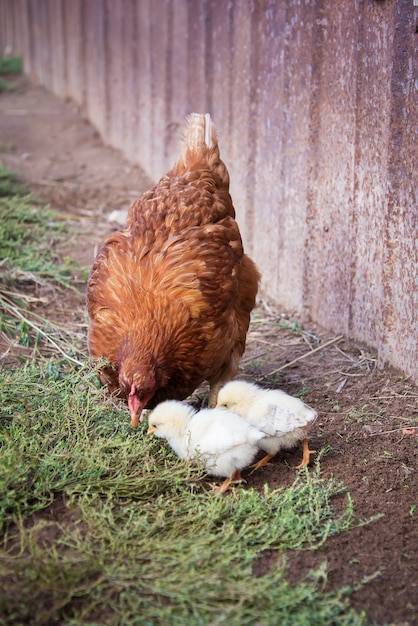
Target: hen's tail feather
199,133
210,130
200,150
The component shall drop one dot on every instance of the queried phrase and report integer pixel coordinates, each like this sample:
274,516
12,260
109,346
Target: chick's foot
262,463
228,482
306,454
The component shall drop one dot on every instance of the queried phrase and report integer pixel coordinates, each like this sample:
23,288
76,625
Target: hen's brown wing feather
197,288
174,291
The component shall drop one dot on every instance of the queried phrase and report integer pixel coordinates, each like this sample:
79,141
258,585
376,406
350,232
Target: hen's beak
135,407
151,430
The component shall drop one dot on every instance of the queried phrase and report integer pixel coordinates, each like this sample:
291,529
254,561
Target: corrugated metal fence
316,107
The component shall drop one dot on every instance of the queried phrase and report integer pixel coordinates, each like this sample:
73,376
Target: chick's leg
306,454
262,462
226,485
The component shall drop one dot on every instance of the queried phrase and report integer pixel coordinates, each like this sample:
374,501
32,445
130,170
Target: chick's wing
216,436
277,420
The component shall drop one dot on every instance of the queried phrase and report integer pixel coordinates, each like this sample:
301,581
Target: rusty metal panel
267,80
218,74
330,204
8,37
3,30
373,99
268,101
58,78
295,131
15,34
144,78
40,42
316,107
115,73
95,50
12,32
74,36
242,130
177,101
131,61
24,44
399,332
161,13
198,57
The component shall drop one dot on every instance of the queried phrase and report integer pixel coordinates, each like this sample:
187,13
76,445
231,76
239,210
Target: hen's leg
226,485
263,462
306,454
213,394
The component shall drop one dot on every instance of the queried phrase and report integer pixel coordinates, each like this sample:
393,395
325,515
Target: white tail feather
199,131
198,136
209,128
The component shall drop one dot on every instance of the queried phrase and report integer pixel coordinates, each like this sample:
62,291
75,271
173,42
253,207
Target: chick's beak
151,430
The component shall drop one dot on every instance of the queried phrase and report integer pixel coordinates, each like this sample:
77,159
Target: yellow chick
223,441
284,420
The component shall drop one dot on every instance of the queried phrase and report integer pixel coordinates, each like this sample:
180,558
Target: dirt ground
368,417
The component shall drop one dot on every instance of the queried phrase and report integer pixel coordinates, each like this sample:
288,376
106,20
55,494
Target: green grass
145,541
27,231
101,524
9,66
30,263
9,185
26,234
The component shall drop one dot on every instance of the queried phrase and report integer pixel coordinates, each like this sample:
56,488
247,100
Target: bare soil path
368,418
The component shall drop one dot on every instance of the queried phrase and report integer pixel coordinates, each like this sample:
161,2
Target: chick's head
238,396
169,418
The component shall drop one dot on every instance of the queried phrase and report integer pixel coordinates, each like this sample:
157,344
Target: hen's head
142,372
139,382
138,388
138,397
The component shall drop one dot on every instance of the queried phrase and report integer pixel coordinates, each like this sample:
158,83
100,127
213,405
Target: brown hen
169,297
